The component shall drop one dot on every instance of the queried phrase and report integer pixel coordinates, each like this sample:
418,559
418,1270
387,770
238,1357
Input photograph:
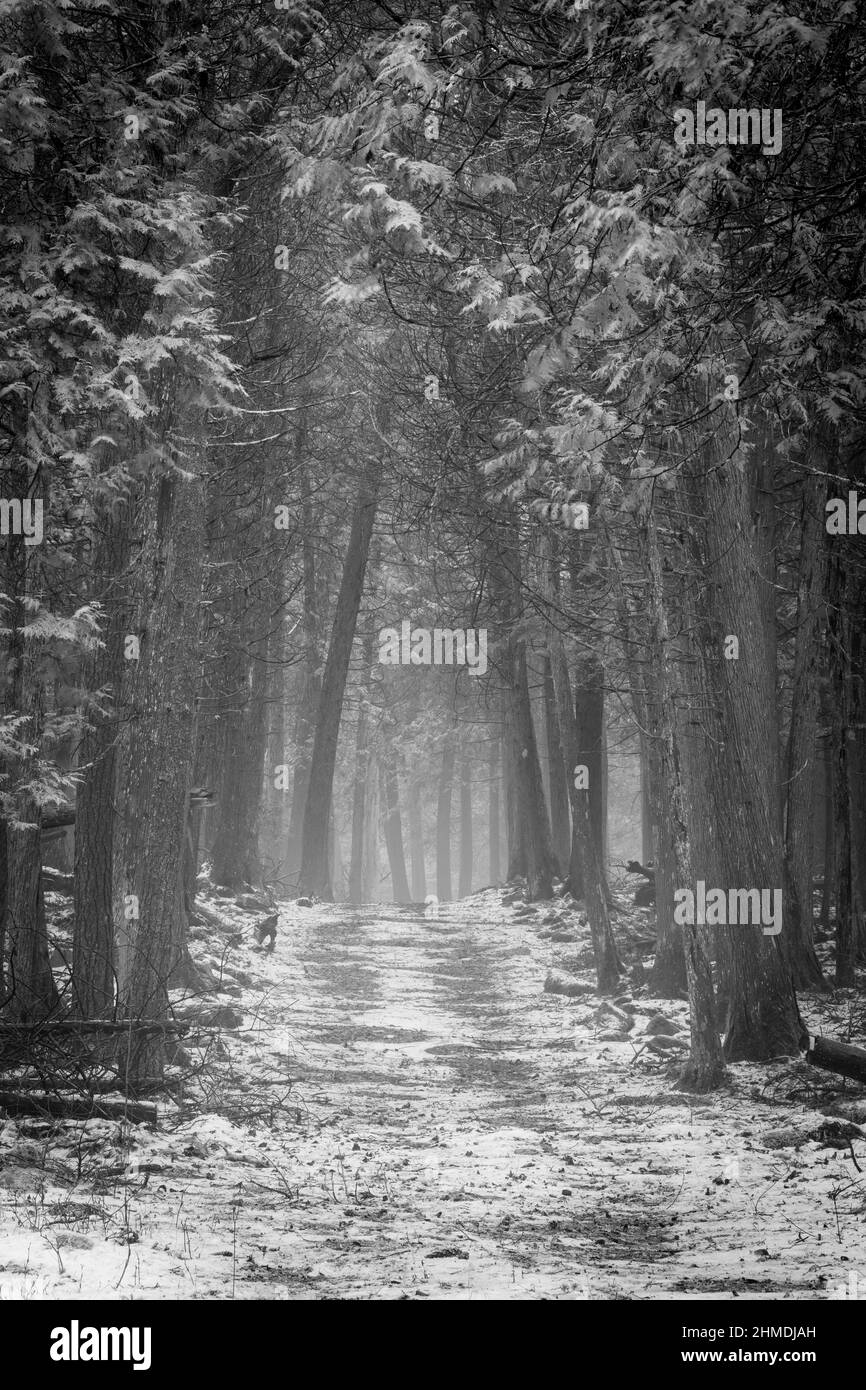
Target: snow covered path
404,1113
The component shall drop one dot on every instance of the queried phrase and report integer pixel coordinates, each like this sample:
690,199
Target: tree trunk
93,978
362,773
416,843
464,883
308,703
494,832
314,877
393,827
841,720
802,737
154,794
30,993
235,850
443,819
734,730
658,700
608,966
557,780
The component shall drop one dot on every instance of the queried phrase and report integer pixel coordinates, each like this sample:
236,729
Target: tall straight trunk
464,882
393,826
734,730
802,738
235,848
361,775
30,993
274,823
416,843
493,818
842,717
646,640
608,965
828,858
647,846
93,976
607,962
560,826
705,1069
154,788
443,818
308,703
314,877
589,707
370,856
530,851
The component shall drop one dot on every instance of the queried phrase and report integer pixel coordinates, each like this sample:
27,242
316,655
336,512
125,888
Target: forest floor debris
407,1110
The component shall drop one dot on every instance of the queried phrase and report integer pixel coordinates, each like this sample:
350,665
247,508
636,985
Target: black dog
266,930
646,894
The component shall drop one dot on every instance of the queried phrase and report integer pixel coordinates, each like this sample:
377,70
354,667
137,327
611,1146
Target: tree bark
464,882
393,827
154,793
443,818
493,820
802,738
314,876
557,780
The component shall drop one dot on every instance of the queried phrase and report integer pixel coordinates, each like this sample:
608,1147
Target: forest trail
405,1113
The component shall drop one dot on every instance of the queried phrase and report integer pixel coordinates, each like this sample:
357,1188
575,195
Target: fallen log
842,1058
137,1111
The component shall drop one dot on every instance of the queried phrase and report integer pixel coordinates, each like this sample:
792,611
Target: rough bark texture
93,977
235,848
154,793
733,717
801,751
361,776
560,824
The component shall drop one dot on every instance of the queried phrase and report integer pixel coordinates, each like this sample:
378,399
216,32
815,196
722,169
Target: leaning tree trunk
314,875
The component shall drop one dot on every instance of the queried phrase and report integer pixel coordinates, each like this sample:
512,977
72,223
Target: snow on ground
406,1113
